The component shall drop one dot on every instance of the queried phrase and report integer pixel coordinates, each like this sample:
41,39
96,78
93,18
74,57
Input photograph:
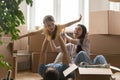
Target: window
115,6
42,8
69,11
63,11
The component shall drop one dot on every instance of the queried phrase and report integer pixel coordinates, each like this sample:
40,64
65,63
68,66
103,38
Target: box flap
69,69
95,71
115,68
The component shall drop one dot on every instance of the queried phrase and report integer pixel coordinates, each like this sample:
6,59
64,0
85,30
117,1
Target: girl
52,31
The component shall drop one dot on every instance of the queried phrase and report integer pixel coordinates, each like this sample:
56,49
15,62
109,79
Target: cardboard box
112,59
5,50
89,73
50,57
116,76
35,61
104,22
36,41
104,44
107,45
21,44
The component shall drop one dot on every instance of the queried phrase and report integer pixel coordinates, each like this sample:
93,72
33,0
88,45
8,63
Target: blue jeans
82,56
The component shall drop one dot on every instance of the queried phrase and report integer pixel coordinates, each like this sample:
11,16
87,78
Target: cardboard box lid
95,71
87,71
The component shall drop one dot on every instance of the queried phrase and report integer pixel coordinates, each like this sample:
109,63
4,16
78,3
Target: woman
79,48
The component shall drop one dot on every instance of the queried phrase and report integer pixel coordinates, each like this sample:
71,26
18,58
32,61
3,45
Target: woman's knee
82,53
82,57
100,59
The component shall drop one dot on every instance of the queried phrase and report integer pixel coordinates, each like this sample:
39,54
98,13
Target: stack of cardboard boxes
104,34
104,22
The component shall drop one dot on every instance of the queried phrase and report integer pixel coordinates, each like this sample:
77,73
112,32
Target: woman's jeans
82,56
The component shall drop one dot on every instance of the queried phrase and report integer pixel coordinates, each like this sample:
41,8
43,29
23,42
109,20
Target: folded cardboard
89,73
104,22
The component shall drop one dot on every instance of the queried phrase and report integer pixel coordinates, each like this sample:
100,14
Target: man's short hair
51,74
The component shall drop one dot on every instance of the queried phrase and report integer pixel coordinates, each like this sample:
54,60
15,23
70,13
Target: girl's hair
48,18
82,37
51,74
54,33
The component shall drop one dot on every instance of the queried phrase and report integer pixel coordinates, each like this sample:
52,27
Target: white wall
23,7
95,5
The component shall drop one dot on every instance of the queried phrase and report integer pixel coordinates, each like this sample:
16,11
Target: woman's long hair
82,37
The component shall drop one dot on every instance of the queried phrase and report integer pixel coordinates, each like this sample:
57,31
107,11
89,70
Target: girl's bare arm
73,22
43,51
30,33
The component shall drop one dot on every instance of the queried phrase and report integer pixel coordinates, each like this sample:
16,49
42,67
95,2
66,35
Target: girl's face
50,26
77,32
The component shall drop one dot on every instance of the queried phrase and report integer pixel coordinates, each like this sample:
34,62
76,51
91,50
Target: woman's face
77,32
50,26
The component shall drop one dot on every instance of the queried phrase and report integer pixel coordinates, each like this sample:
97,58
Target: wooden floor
28,76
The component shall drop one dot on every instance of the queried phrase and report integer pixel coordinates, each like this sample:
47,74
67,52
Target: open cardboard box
89,73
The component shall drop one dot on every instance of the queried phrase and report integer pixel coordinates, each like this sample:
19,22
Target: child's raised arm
73,22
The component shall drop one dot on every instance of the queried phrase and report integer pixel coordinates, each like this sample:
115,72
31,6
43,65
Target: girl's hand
80,18
63,34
